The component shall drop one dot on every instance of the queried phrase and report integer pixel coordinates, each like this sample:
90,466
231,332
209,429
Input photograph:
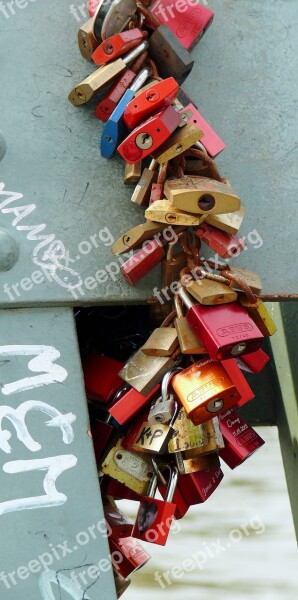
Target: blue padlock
115,129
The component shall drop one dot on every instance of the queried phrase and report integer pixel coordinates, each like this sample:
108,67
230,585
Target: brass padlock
135,237
87,40
249,277
188,341
155,437
259,314
86,89
132,173
196,463
163,211
187,436
142,191
179,141
209,292
201,195
143,372
170,56
213,440
229,222
129,468
162,342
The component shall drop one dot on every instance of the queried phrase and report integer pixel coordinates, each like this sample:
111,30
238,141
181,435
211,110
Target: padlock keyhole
206,202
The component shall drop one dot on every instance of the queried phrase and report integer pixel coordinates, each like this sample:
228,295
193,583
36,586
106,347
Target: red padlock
210,140
102,434
145,138
155,516
120,525
241,440
108,104
129,404
253,362
161,94
187,20
92,6
117,45
127,555
238,379
116,489
225,330
143,261
101,377
225,244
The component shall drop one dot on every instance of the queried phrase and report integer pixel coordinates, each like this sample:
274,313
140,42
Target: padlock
238,379
241,440
210,140
132,469
205,390
86,89
141,194
148,136
114,129
121,583
194,488
187,436
210,293
172,59
226,330
117,45
249,277
119,15
135,237
119,491
163,341
163,409
86,40
225,244
101,377
99,14
129,404
229,222
253,362
163,211
179,141
92,6
201,195
188,341
120,525
152,100
155,437
132,173
155,516
194,464
110,100
143,261
132,555
259,314
144,372
213,440
188,25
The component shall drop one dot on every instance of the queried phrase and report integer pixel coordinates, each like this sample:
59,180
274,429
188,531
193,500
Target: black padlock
170,56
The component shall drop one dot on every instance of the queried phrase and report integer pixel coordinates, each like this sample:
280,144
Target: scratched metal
44,549
244,81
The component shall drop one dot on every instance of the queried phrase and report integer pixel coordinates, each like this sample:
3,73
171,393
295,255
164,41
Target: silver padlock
164,408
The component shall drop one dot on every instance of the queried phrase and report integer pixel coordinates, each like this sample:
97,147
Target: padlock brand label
204,389
232,329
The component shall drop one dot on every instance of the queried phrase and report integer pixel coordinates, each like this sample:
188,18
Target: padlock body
145,259
152,100
188,340
198,487
194,464
205,390
86,40
229,222
108,104
187,436
102,434
144,372
253,362
260,315
116,46
223,243
156,129
213,440
120,525
153,438
210,140
141,194
187,26
201,195
130,404
209,292
134,556
226,331
101,377
239,380
130,468
162,342
241,440
172,58
154,520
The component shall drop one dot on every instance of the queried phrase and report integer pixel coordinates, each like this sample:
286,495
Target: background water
261,566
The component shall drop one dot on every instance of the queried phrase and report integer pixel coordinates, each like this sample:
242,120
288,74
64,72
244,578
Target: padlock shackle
186,299
140,79
135,52
166,381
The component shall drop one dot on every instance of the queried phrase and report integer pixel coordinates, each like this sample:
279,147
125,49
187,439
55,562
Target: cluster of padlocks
164,419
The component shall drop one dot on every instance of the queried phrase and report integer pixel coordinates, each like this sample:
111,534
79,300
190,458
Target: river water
240,543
